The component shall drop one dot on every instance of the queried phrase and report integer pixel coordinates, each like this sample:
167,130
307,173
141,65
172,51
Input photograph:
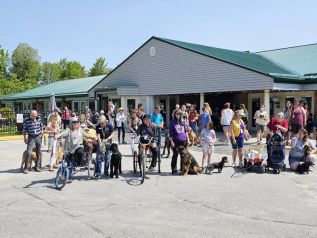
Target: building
164,71
71,93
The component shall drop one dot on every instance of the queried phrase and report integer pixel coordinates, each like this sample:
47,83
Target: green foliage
50,72
99,68
26,64
71,69
4,62
13,85
7,113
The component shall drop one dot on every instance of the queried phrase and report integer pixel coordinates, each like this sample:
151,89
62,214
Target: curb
8,138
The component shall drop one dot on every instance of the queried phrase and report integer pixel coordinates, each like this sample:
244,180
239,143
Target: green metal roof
71,87
302,59
247,60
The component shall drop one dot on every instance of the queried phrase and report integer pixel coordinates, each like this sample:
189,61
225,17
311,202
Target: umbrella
53,106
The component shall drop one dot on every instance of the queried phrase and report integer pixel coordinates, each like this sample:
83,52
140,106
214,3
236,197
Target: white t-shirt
120,118
261,120
226,116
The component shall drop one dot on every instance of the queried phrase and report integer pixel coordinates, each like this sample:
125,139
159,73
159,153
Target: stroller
276,153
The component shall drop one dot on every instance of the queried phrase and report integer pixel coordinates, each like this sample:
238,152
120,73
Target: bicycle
146,158
134,152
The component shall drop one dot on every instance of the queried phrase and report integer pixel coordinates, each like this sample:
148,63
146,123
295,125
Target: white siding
174,70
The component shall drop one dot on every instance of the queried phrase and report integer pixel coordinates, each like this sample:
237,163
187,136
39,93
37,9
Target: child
208,137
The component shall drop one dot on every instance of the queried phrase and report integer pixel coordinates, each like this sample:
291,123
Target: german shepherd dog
115,162
189,163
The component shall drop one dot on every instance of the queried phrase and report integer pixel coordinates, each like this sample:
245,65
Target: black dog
167,145
218,165
115,162
304,167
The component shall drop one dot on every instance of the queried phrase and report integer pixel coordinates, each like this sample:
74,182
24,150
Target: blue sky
85,30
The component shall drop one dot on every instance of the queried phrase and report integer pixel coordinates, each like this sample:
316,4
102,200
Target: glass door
131,104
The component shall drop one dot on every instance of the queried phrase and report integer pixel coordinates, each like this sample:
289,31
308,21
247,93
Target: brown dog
190,165
193,138
33,158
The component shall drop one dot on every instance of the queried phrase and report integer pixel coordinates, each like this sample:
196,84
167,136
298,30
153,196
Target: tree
4,62
50,72
26,64
99,68
71,69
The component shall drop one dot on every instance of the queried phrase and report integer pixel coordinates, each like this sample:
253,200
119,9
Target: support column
201,101
266,100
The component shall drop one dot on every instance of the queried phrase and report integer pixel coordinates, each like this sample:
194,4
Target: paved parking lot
250,205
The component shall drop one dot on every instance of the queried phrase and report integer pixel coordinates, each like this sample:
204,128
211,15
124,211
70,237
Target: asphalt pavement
166,205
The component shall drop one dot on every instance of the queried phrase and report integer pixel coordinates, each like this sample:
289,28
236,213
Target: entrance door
131,104
172,104
255,106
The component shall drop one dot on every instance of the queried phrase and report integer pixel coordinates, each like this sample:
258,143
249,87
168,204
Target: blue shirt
204,117
156,119
31,127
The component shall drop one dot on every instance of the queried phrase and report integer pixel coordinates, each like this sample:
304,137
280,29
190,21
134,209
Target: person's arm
162,122
256,116
214,137
304,116
111,133
129,124
63,134
171,133
232,134
283,128
24,132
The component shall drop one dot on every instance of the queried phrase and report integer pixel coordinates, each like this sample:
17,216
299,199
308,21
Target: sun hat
120,109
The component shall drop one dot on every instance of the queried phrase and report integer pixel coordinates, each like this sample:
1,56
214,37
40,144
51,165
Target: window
27,106
79,106
46,106
9,105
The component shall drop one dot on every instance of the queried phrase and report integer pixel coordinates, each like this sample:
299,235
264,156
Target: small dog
218,165
304,167
193,138
115,162
33,158
190,165
167,145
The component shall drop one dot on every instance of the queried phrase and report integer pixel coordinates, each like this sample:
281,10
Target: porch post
266,100
201,101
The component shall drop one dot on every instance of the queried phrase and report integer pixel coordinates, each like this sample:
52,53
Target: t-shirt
260,117
156,119
178,131
238,128
205,117
104,132
208,135
145,130
192,115
297,147
273,122
226,116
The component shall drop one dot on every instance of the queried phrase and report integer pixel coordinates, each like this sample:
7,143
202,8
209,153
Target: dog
304,167
189,164
115,162
167,145
33,158
217,165
193,138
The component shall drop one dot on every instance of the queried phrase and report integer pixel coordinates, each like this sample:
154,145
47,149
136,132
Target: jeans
100,157
37,141
175,154
159,135
119,132
193,125
154,155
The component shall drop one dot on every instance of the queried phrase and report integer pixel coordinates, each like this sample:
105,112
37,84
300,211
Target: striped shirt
31,127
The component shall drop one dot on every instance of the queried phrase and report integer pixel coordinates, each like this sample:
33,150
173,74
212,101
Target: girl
120,119
208,136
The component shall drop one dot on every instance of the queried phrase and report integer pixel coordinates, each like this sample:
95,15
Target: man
278,124
147,129
32,127
158,123
105,133
261,119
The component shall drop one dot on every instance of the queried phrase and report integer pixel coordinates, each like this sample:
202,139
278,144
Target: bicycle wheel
61,177
142,168
135,162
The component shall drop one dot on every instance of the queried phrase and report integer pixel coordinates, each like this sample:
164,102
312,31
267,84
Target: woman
245,116
287,115
193,117
298,120
178,136
66,117
296,154
134,122
120,119
238,132
53,128
206,105
225,119
184,113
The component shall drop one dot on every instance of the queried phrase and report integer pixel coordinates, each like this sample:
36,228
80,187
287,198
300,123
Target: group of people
95,131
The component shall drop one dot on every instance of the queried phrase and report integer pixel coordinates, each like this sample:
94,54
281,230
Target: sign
19,118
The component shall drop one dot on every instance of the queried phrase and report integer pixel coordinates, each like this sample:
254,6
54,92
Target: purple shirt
178,131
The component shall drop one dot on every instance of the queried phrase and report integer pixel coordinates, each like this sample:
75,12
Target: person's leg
159,135
123,133
38,144
79,155
225,133
107,162
293,165
53,154
203,159
119,133
174,159
30,146
99,161
154,155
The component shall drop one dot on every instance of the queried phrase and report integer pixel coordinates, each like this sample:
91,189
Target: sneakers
97,176
25,171
124,143
151,168
38,170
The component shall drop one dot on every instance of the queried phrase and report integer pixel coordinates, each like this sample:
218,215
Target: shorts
239,143
208,149
292,159
295,128
259,128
